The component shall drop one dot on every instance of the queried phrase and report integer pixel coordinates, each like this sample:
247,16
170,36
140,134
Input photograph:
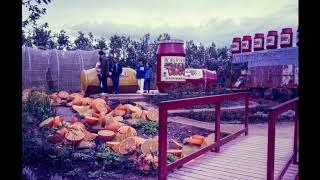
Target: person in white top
102,68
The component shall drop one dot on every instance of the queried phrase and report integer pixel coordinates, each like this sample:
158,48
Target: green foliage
74,172
42,37
35,10
259,117
82,157
98,174
38,105
108,159
63,40
82,42
171,158
149,128
287,116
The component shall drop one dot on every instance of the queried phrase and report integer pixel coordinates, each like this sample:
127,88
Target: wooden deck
242,158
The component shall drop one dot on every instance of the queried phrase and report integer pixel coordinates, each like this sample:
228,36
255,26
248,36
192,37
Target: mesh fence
55,70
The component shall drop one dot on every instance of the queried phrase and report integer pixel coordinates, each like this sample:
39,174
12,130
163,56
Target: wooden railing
274,112
177,104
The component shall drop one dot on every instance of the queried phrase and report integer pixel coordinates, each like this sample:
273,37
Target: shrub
109,159
57,177
38,105
149,128
287,116
259,117
171,158
27,173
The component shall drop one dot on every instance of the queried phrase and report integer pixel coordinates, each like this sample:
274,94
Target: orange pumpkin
127,146
96,115
62,132
106,134
117,112
75,136
48,122
153,114
91,120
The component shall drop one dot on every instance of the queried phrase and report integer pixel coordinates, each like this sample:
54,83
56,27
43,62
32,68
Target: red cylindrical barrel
246,44
272,40
236,45
258,42
170,63
286,38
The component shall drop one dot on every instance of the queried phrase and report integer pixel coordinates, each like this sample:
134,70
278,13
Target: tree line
40,36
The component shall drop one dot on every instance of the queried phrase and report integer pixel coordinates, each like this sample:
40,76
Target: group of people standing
106,69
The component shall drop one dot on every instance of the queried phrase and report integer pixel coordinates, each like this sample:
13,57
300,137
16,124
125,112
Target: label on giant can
172,68
257,43
245,45
271,41
285,39
235,46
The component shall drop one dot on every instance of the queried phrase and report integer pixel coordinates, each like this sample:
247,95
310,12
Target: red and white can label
257,43
271,40
235,46
245,45
285,39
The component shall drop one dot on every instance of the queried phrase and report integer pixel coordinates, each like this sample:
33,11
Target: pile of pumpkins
110,129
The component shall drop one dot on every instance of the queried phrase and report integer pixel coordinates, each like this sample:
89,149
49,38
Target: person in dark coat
115,70
103,71
148,77
141,71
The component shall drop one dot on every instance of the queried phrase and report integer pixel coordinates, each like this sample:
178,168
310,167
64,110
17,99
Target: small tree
63,40
82,42
42,37
101,43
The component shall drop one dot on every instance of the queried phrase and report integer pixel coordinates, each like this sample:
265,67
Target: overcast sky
199,20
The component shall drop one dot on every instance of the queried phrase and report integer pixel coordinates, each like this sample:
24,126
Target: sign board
193,73
172,68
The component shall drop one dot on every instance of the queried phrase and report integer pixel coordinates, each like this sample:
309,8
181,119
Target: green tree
42,37
63,41
82,42
35,10
101,43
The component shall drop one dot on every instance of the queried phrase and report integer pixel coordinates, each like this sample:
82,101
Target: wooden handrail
182,103
274,112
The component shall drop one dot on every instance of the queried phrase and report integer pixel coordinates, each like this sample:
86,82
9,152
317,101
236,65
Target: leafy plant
57,177
27,173
149,128
38,105
81,157
259,117
74,172
109,159
287,116
171,158
98,174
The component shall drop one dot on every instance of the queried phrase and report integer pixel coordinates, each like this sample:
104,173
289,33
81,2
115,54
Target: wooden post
246,113
295,145
162,143
217,125
271,146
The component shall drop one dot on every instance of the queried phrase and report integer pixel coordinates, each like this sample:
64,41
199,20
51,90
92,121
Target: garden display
127,130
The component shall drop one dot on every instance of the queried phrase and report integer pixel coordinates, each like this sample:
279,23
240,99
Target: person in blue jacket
141,71
115,70
148,77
